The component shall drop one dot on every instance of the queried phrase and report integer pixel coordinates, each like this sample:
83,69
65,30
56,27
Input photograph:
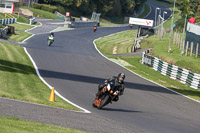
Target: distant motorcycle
50,40
105,99
95,28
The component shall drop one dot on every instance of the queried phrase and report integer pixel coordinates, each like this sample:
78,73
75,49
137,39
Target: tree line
105,7
188,8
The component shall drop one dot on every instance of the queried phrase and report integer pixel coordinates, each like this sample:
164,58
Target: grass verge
107,44
18,79
122,42
151,74
160,50
15,125
41,13
19,35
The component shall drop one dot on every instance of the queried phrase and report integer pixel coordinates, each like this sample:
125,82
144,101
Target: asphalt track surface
74,67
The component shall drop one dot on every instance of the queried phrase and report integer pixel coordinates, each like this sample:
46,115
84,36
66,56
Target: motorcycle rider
95,28
114,83
51,37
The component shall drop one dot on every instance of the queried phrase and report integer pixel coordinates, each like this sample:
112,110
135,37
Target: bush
61,9
2,26
41,13
45,7
37,6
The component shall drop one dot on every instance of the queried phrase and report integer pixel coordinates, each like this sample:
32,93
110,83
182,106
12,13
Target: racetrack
74,67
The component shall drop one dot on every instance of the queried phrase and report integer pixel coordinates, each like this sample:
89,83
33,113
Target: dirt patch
115,50
162,81
124,62
145,73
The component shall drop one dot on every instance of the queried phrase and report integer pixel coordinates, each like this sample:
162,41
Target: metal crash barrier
3,32
32,20
8,21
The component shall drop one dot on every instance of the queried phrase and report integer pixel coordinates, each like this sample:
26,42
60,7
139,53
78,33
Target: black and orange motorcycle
105,99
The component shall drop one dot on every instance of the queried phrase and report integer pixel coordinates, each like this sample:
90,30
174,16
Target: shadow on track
120,110
95,80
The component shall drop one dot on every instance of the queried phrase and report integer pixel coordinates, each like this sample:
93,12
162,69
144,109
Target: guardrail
32,20
3,32
177,73
8,21
82,24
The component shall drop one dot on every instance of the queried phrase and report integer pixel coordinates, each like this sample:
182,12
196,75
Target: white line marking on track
37,71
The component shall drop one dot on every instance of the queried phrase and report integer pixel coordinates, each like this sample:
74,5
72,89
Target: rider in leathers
114,83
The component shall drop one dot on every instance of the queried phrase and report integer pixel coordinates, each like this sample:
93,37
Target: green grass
21,27
151,74
18,79
2,16
41,13
22,19
15,125
20,35
115,19
123,41
160,49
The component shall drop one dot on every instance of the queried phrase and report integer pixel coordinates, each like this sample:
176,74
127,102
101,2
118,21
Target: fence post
186,48
174,38
183,46
191,48
158,33
177,39
180,42
197,49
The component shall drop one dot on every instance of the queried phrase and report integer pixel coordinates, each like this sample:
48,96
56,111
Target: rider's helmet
121,77
52,33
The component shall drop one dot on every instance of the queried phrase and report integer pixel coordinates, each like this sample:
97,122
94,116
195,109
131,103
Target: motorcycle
50,40
94,28
105,99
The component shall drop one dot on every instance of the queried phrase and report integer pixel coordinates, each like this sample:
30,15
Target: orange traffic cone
52,96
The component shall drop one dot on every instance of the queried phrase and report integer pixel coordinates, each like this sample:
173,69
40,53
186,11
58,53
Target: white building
7,6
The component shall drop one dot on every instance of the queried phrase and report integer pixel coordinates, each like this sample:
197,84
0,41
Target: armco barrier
32,21
3,32
8,21
83,24
177,73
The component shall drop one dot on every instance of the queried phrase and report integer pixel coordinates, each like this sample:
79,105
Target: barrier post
197,49
186,48
191,49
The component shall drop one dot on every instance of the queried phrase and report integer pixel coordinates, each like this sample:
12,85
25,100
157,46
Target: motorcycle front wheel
104,102
49,43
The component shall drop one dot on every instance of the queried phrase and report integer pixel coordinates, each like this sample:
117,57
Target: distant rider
95,28
51,37
115,83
